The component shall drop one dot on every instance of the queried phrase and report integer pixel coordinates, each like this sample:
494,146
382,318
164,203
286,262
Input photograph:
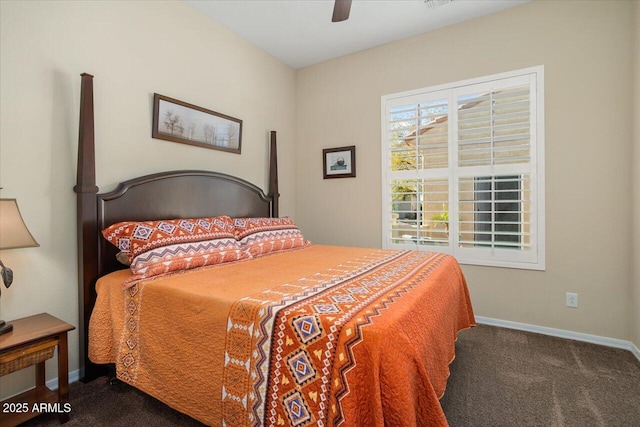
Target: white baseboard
561,333
74,376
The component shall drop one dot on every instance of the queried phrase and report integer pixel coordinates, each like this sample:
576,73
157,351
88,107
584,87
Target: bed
288,333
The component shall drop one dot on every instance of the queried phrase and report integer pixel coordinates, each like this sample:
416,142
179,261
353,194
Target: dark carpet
500,377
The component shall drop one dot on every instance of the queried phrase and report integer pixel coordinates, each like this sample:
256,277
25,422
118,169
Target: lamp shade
13,231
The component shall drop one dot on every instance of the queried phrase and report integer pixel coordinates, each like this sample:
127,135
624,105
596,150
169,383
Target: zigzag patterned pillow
261,236
160,247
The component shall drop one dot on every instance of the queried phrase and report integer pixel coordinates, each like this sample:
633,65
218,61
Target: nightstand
33,341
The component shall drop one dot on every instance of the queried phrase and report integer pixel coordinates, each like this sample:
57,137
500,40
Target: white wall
134,49
635,322
586,48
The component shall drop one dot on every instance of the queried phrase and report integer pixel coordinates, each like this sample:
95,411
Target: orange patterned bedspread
319,336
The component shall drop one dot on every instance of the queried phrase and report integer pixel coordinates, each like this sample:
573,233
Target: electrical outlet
572,300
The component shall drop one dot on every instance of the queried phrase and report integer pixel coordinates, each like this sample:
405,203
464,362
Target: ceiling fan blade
341,10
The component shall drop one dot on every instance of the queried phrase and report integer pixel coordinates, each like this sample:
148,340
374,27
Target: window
463,170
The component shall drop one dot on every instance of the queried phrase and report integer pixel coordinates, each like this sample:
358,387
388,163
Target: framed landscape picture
179,121
339,162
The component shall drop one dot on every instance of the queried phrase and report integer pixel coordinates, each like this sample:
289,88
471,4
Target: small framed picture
339,162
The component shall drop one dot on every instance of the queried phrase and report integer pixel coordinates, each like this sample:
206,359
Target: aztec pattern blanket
361,339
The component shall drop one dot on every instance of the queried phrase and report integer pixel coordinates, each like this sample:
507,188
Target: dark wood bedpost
87,233
273,174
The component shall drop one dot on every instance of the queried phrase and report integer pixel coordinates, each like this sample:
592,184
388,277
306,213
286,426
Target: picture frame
339,162
178,121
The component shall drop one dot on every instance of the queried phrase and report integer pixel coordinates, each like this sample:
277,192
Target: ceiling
300,32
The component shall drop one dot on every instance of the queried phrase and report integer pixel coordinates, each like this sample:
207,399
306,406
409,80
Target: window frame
534,259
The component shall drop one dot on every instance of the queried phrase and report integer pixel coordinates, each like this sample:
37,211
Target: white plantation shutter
464,170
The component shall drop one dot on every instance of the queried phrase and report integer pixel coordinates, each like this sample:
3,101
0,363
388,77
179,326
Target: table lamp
13,235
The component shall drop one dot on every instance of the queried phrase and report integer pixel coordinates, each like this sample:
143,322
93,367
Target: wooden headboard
164,195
